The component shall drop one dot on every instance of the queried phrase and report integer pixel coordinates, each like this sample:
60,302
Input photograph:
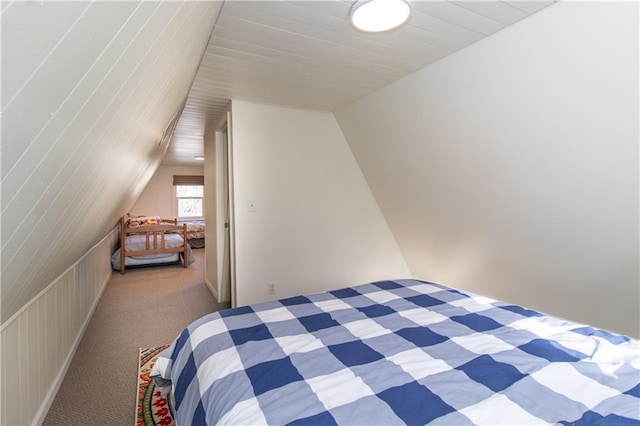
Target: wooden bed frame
155,241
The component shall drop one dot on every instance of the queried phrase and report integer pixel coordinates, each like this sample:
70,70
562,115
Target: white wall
316,225
158,196
511,167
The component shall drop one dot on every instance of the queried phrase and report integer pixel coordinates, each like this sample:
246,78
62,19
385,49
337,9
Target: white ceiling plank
430,23
76,56
530,6
298,71
459,15
334,9
338,30
305,54
287,52
314,63
63,158
37,28
60,135
301,43
497,11
294,82
308,96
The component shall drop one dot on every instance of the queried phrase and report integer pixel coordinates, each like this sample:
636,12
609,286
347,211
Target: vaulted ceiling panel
47,23
460,15
89,87
70,61
527,6
82,151
497,11
305,54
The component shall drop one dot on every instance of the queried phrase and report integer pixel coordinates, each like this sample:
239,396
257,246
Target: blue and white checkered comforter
397,352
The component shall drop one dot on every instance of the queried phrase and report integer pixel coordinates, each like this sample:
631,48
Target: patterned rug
152,408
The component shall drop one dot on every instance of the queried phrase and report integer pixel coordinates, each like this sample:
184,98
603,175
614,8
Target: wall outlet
271,289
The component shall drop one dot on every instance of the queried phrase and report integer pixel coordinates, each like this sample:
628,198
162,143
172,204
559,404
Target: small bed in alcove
151,240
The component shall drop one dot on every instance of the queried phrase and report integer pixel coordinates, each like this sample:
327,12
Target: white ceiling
305,54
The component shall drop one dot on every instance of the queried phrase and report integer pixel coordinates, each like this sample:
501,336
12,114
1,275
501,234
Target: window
189,192
189,200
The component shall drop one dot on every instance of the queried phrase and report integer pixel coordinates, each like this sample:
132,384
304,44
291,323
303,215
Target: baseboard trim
212,289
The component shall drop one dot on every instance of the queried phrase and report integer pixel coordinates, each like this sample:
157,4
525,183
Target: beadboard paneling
38,342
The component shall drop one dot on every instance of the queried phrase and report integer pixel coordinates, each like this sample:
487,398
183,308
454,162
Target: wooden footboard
154,240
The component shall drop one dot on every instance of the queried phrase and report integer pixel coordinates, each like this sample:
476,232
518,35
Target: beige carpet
143,308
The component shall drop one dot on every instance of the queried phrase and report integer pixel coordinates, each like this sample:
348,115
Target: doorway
224,226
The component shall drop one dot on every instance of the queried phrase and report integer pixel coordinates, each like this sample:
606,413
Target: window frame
176,204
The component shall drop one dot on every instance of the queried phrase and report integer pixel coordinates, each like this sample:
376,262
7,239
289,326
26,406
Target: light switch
252,206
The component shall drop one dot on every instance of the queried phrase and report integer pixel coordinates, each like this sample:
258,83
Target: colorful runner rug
152,407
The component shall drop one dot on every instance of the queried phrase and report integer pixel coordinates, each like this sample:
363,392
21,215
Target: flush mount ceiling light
199,157
376,16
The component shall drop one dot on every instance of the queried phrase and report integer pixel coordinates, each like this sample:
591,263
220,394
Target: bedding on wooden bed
195,232
151,240
397,352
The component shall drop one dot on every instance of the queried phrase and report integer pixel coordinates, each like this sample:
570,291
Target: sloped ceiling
89,87
305,54
87,91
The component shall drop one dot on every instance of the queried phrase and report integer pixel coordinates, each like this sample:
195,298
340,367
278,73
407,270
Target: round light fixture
376,16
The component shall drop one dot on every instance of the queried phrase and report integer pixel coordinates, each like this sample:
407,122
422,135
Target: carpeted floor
143,308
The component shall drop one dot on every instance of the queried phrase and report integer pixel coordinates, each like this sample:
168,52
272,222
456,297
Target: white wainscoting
38,343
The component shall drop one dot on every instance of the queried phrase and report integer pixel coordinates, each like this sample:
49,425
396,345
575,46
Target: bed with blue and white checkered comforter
398,352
